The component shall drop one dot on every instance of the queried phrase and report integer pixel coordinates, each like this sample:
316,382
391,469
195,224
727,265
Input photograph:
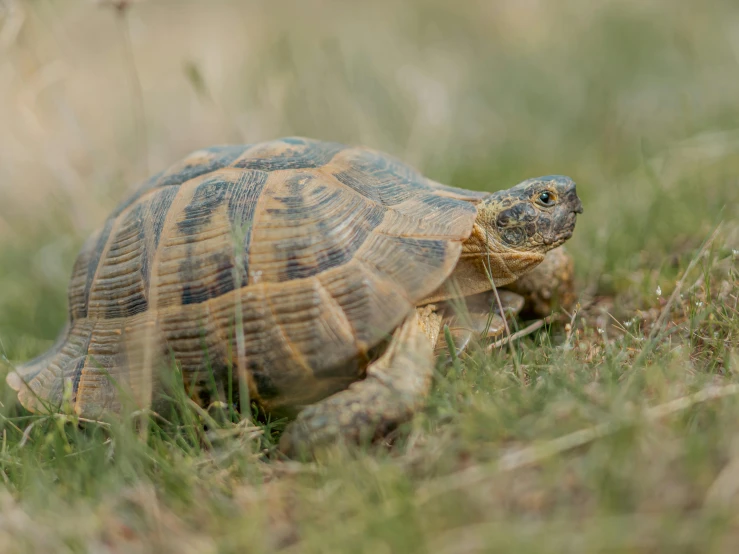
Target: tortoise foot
395,387
344,418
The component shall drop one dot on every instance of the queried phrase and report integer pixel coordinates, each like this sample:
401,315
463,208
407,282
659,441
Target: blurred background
636,100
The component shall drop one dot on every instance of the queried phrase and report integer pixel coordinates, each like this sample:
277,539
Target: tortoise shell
294,258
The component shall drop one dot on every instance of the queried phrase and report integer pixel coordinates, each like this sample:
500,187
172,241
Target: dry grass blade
244,429
645,534
679,287
523,332
535,454
723,491
27,434
72,419
137,92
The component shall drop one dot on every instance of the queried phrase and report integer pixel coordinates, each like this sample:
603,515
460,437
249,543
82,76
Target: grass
635,100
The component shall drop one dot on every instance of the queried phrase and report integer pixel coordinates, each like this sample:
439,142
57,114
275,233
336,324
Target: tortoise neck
478,268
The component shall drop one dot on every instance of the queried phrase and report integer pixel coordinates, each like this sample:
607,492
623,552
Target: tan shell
312,251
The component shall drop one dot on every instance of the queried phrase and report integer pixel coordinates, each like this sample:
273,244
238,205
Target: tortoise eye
546,198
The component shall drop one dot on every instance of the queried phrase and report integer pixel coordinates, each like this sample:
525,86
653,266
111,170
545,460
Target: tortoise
313,271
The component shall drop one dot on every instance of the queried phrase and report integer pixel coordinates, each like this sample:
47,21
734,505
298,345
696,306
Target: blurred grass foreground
618,432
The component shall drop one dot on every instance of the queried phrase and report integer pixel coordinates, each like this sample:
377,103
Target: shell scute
292,153
199,163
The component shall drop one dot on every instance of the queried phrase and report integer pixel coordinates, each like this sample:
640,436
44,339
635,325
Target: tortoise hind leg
395,387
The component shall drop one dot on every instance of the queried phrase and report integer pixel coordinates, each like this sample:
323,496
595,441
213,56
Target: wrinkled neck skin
513,231
484,261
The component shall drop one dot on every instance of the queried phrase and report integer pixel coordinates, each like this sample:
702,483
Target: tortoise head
519,225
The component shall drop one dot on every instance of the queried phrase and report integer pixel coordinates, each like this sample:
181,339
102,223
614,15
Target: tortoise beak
570,192
577,204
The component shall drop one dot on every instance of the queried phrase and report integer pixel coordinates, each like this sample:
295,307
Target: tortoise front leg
549,285
395,387
479,317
